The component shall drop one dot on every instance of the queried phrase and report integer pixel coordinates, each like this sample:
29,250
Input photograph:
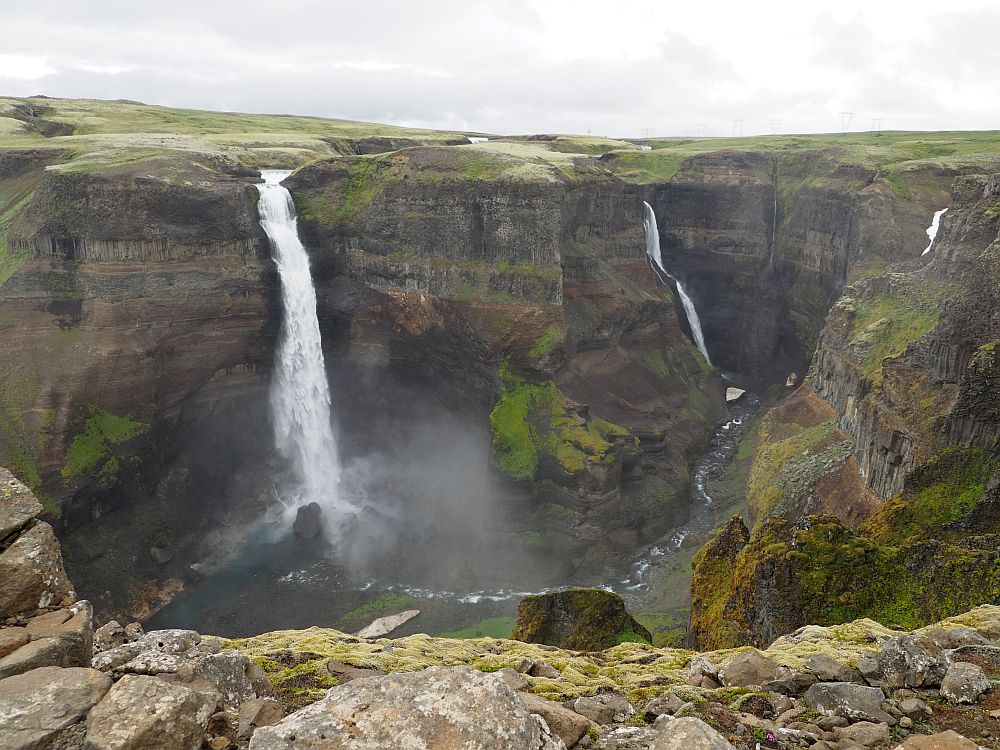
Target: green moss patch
96,452
940,493
492,627
884,326
535,420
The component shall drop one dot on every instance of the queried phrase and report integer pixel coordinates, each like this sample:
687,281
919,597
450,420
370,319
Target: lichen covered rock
457,707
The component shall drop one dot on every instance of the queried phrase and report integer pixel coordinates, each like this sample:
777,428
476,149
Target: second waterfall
300,393
653,251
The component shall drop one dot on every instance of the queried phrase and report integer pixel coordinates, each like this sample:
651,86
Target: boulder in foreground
435,708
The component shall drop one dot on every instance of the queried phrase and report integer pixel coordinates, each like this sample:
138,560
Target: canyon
487,313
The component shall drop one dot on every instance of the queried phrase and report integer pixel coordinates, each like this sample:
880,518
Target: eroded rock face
446,708
583,619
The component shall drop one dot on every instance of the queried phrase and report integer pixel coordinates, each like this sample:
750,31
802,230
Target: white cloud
24,67
525,65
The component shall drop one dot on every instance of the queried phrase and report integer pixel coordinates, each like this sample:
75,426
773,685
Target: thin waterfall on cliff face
653,251
300,393
932,230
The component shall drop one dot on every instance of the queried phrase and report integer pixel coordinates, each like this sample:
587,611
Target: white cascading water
932,230
300,393
653,251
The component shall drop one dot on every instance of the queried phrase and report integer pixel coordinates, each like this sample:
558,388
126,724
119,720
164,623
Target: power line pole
737,127
845,121
701,128
775,126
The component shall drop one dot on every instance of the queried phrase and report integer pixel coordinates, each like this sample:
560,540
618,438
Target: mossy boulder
579,619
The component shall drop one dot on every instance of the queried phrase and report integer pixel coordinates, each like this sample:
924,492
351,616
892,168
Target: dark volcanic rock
580,619
309,521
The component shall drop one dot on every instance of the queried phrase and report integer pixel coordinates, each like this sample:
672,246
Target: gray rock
436,707
749,668
914,708
36,705
109,636
32,574
544,669
828,669
689,734
665,704
698,668
259,712
955,637
607,707
854,702
11,639
568,725
964,683
790,681
171,642
514,679
911,661
17,504
134,631
141,711
230,673
865,733
627,738
309,521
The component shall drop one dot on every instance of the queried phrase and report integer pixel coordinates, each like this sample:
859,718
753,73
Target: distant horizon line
467,132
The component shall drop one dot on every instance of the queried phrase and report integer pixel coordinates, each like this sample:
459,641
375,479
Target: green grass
376,607
492,627
532,421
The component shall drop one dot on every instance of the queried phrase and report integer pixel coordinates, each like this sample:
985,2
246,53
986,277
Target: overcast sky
618,67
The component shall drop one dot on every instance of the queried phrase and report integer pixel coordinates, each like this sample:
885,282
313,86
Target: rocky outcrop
895,412
770,697
580,619
31,568
907,360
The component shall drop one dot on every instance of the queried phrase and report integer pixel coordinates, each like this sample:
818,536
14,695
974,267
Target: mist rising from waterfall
932,230
653,251
300,393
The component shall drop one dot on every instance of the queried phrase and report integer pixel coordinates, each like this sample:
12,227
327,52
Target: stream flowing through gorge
278,582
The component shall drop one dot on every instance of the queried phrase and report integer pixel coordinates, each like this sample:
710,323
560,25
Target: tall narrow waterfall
932,230
653,251
300,393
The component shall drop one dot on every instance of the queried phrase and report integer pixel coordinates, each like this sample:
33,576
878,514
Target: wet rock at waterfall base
309,521
581,619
